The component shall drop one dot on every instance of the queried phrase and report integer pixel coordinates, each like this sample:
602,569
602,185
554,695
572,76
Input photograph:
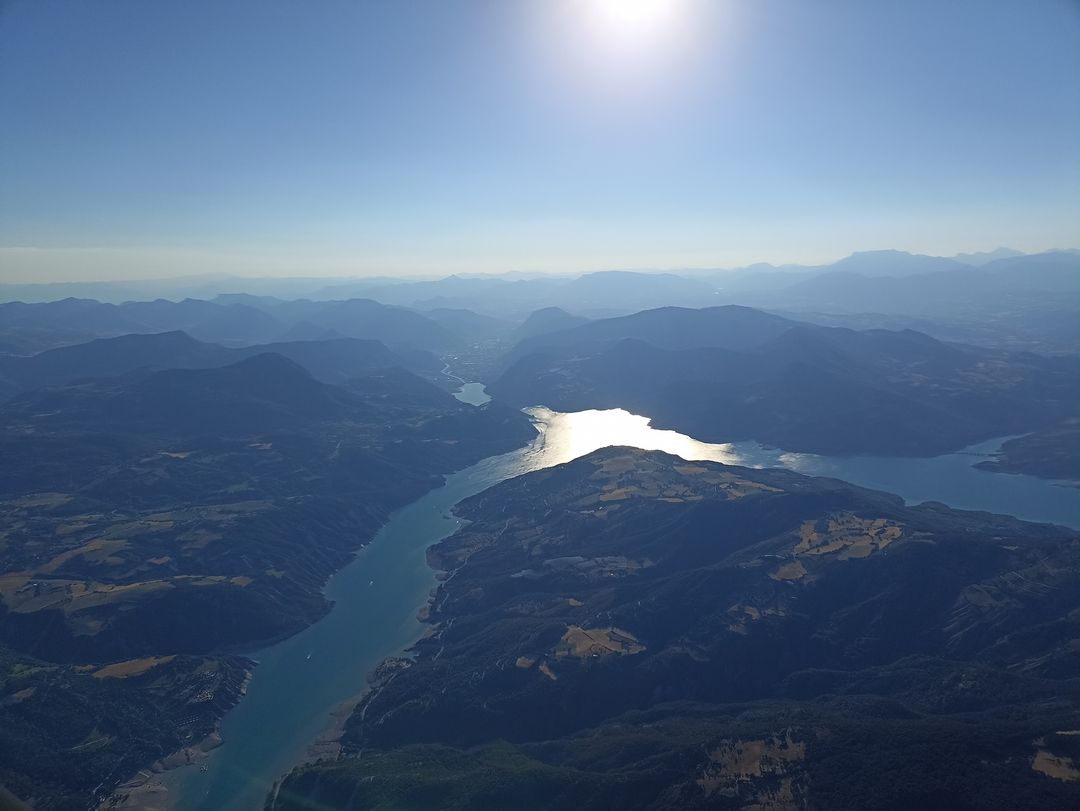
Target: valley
554,405
237,532
204,520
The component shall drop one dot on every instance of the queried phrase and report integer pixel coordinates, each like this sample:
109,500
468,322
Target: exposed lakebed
301,681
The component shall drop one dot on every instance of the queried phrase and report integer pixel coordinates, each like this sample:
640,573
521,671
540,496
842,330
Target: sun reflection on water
564,437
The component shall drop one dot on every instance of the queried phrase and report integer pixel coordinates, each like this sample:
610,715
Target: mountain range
237,321
1029,299
729,373
331,361
184,471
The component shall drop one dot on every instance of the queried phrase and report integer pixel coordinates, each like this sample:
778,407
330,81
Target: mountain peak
893,262
270,363
979,258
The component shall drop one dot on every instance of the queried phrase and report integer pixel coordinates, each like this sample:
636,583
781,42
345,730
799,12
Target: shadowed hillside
802,388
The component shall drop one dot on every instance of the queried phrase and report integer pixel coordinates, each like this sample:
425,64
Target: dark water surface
300,681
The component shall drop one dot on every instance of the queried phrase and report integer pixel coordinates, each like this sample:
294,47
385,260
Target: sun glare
634,14
634,21
569,436
618,50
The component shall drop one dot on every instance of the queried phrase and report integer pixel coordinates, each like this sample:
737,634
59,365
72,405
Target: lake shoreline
401,549
148,790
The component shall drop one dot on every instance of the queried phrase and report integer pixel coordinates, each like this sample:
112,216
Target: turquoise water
300,681
950,479
473,394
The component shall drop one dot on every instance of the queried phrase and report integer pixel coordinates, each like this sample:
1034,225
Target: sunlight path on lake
565,437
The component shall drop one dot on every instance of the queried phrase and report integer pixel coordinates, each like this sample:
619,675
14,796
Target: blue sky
270,137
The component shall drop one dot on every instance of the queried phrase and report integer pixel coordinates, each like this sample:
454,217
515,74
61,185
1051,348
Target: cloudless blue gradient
426,136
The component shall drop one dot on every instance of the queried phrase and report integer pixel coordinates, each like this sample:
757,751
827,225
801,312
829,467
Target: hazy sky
142,138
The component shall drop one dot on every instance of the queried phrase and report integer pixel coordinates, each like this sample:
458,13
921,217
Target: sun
620,51
634,13
635,23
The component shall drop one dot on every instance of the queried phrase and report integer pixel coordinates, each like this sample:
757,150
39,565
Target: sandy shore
328,744
146,791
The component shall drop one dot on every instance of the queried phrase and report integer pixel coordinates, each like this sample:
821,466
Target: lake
300,681
473,394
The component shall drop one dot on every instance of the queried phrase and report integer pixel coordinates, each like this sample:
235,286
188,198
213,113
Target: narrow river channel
301,681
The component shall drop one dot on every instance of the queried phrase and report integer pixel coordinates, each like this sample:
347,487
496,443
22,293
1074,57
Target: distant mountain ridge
451,291
1031,298
236,321
727,327
796,386
330,361
982,257
893,263
545,320
467,323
